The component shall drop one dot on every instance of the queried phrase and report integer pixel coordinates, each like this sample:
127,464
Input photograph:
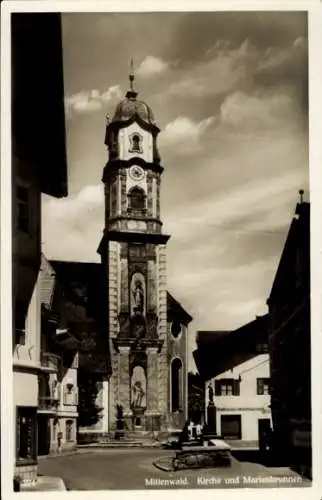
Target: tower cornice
129,236
114,165
116,125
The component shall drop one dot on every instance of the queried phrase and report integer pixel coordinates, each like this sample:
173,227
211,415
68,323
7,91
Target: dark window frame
227,387
263,386
69,428
137,200
176,388
26,445
20,315
136,143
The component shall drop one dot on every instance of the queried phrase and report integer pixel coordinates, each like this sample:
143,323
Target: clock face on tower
136,173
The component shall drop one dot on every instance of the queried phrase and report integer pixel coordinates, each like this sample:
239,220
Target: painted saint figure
138,296
137,394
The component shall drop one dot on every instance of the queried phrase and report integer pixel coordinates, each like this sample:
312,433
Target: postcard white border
315,157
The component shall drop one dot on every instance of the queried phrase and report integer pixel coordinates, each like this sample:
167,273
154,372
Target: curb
117,445
163,467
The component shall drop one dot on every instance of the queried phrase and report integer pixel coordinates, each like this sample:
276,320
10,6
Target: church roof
130,107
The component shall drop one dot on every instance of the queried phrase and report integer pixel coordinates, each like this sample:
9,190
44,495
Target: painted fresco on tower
138,294
138,388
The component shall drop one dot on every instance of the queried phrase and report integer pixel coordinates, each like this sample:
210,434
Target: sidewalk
46,483
121,443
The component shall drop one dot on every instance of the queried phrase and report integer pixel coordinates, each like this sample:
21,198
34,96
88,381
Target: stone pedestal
211,418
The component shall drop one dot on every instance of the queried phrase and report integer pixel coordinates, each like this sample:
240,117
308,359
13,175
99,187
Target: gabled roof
298,236
176,310
220,351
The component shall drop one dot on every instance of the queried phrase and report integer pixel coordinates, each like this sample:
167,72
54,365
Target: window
113,199
26,440
176,385
136,199
263,387
262,348
21,309
23,208
227,387
69,430
70,394
136,141
137,422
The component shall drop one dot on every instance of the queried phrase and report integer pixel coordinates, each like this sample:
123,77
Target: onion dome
130,107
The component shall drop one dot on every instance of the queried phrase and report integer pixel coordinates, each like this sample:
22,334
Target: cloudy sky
229,91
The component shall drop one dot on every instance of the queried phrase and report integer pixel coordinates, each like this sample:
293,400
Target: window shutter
236,388
217,387
260,386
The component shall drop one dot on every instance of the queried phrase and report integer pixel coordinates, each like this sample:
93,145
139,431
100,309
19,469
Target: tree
196,397
89,413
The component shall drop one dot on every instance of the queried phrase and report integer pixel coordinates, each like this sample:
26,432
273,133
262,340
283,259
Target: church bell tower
133,253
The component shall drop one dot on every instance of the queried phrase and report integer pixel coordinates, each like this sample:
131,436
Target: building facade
146,349
58,388
290,346
85,313
242,396
33,80
236,372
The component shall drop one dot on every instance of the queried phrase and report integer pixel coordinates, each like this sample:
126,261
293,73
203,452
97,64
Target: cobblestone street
133,469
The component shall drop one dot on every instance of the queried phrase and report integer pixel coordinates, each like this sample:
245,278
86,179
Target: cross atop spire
131,75
131,94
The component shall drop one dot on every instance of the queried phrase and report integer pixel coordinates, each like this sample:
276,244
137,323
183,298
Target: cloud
264,110
254,203
184,129
226,68
89,101
72,226
152,66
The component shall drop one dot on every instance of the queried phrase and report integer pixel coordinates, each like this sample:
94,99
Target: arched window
136,141
176,385
136,199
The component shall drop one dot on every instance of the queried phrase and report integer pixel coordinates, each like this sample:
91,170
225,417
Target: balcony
47,404
50,362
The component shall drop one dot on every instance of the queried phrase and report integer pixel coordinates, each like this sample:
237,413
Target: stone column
163,366
152,412
152,379
152,293
124,292
124,378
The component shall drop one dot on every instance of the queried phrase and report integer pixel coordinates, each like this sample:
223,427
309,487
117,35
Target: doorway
43,434
231,426
264,428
